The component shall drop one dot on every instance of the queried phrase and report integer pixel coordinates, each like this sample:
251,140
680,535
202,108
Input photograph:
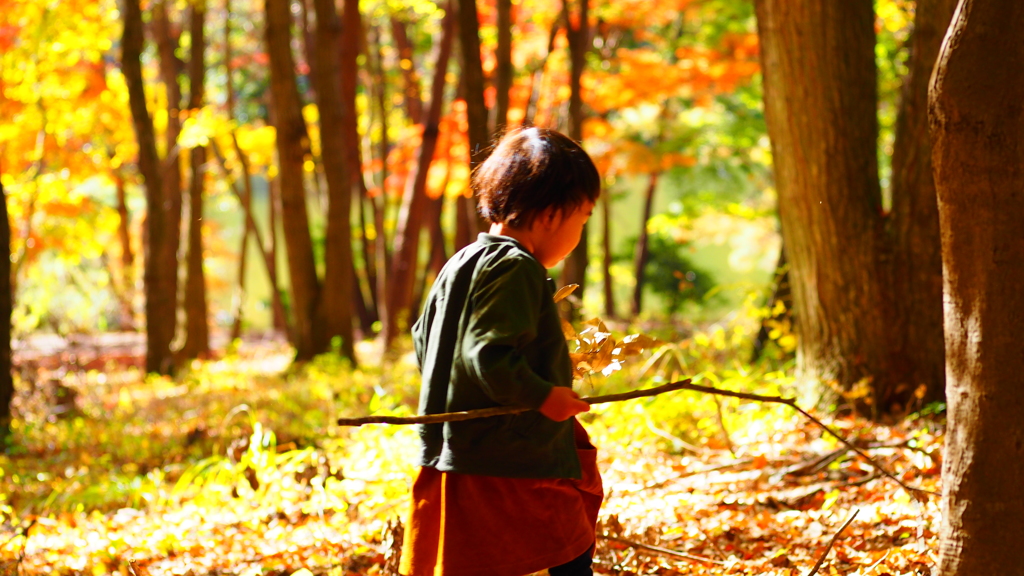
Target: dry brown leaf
564,291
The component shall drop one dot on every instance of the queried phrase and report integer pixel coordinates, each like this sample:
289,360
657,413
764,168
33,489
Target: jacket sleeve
506,309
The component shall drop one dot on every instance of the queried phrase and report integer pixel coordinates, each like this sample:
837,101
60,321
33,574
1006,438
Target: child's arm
507,308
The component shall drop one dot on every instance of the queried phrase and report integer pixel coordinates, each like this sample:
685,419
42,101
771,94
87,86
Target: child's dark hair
533,169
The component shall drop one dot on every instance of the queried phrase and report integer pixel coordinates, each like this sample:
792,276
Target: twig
709,539
821,560
916,492
502,410
727,466
660,550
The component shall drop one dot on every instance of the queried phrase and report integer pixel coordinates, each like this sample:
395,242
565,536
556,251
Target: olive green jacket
490,335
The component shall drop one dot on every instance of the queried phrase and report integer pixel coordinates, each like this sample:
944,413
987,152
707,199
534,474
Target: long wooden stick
502,410
917,493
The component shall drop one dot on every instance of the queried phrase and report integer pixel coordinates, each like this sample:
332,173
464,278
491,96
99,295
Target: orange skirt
466,525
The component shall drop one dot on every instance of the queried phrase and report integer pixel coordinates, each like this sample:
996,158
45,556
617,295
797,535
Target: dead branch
660,550
918,493
821,559
502,410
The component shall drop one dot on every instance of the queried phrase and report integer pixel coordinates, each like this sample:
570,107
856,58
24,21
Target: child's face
559,233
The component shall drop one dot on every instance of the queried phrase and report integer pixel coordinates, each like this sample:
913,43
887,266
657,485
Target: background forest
223,216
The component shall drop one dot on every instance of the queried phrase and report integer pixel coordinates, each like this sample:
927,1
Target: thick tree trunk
914,224
160,304
291,135
6,304
402,278
820,100
171,170
578,32
977,126
504,72
197,317
336,300
642,252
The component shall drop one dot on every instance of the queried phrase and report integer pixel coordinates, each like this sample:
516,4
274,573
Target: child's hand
563,403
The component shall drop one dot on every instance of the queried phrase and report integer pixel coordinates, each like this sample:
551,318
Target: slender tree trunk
435,261
273,210
411,79
476,107
336,300
574,270
291,136
6,305
914,224
606,263
353,41
820,104
642,252
410,220
267,251
504,75
246,201
160,304
127,289
977,127
382,254
197,326
538,75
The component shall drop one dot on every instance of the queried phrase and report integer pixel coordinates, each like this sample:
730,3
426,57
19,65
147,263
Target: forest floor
236,469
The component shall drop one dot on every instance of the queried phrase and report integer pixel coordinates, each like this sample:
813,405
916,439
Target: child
507,495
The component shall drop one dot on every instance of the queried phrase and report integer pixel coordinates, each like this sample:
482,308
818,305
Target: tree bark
379,205
126,291
820,99
160,304
476,112
606,262
574,270
292,140
246,200
197,327
411,79
538,75
353,41
167,38
642,251
6,305
336,300
914,223
977,126
504,72
402,278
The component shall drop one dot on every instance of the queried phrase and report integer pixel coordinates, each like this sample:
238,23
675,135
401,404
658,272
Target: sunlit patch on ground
236,468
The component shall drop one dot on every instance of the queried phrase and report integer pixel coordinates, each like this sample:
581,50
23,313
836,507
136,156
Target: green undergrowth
253,436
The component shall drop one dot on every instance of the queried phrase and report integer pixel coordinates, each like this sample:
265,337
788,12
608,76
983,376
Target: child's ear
548,218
